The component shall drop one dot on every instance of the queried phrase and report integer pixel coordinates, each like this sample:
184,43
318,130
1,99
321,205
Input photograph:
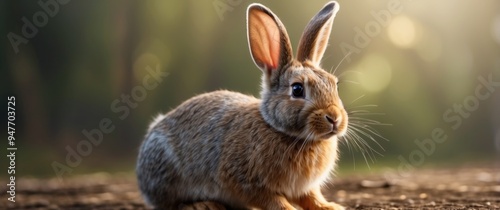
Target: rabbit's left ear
314,40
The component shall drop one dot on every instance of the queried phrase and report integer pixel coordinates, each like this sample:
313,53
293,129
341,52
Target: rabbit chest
256,156
306,166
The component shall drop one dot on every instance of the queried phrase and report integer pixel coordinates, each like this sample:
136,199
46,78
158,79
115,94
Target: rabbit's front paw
330,206
314,200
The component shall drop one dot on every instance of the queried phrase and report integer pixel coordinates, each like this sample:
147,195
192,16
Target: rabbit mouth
335,131
329,134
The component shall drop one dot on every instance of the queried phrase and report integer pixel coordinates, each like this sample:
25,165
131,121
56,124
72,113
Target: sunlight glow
144,61
495,29
402,32
430,48
404,89
375,73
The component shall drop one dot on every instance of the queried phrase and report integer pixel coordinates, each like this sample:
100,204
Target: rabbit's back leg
204,205
156,171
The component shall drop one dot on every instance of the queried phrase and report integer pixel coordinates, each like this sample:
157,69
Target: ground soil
463,188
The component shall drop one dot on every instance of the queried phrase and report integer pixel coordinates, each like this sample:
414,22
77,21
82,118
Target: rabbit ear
269,43
314,40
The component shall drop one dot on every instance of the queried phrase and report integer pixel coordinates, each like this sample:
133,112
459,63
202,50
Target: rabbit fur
227,150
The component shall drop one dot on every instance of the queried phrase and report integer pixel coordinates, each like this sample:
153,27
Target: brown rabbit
224,149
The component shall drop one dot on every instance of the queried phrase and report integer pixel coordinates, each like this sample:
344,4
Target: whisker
367,121
360,97
363,150
371,130
350,149
363,106
350,81
365,114
354,137
369,148
292,145
304,142
360,135
370,137
340,63
350,71
303,136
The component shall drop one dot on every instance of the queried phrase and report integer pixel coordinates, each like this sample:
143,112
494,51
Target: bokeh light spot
144,61
375,73
402,32
495,29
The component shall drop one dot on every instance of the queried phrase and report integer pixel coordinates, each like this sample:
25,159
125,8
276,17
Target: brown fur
228,150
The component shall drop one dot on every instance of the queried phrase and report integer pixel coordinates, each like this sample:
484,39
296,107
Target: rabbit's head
299,98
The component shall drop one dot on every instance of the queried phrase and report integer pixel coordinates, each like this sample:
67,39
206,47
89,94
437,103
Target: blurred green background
418,61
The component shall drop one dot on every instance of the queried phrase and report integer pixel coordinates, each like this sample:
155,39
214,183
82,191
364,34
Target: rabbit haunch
225,149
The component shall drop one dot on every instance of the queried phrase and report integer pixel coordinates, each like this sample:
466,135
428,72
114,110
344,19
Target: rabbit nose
332,121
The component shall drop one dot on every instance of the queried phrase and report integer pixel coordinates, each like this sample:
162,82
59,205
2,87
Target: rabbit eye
298,90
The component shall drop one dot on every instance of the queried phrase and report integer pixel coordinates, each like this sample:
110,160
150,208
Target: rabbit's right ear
267,38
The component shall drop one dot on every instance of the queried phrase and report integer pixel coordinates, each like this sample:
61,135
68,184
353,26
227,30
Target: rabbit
227,150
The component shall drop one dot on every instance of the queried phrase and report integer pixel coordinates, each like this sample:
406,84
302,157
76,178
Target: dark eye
298,90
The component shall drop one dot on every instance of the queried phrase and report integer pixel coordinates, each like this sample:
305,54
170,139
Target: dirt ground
463,188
